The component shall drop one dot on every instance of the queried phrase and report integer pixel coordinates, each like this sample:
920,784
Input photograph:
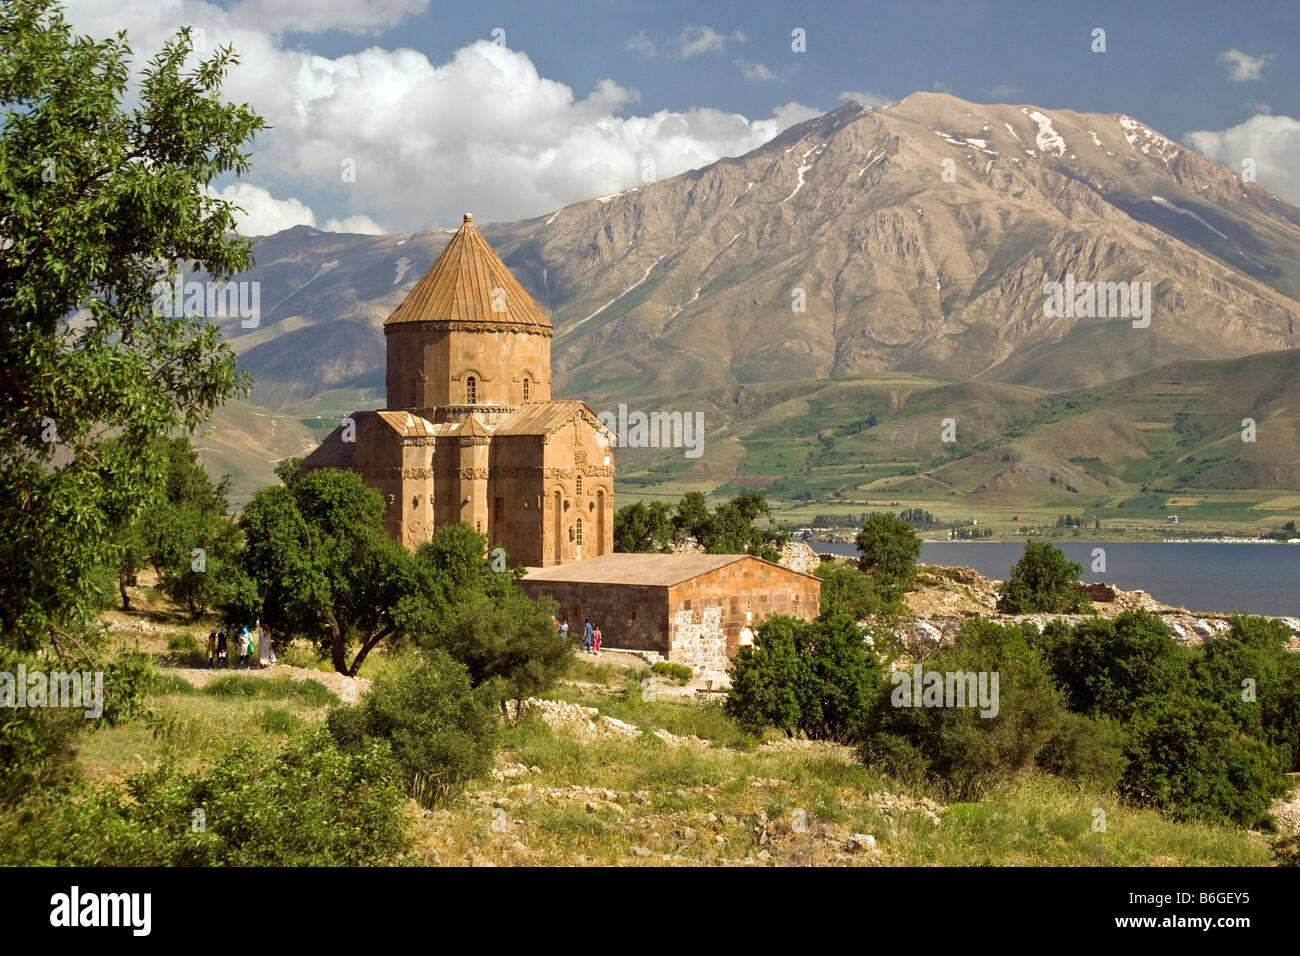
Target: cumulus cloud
1273,142
866,97
260,214
360,225
402,141
1242,67
756,71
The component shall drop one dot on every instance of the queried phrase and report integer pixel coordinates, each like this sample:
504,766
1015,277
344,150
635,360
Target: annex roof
653,570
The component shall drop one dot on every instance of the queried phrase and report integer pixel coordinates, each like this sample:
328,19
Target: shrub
847,590
889,547
1088,751
956,746
310,805
441,732
1110,668
817,679
1187,758
1043,581
1250,673
678,672
127,681
37,744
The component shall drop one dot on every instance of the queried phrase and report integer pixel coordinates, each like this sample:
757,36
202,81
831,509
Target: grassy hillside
587,792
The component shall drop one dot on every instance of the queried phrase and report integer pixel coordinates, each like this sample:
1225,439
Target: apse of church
470,432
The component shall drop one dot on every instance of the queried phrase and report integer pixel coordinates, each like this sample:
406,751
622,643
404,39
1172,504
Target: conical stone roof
462,286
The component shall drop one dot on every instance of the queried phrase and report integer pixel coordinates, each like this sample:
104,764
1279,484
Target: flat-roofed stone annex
693,609
470,432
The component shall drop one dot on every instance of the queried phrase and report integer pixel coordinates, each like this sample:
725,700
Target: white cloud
1273,142
360,225
641,45
482,131
692,41
1242,67
867,97
262,213
1003,90
756,71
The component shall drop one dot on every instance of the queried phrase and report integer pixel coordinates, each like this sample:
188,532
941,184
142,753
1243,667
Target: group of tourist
590,634
246,644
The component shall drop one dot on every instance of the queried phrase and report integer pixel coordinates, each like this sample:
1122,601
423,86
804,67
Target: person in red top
595,639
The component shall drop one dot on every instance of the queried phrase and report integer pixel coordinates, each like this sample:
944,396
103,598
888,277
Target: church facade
470,432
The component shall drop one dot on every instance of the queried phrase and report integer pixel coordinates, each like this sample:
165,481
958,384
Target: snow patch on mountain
1162,201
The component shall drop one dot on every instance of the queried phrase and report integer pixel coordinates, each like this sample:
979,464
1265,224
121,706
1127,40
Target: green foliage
956,747
307,691
310,805
847,590
37,744
1111,667
508,642
678,672
440,730
642,527
128,679
1250,673
731,529
186,534
1043,581
1188,758
103,189
888,548
1194,746
815,679
1088,751
321,565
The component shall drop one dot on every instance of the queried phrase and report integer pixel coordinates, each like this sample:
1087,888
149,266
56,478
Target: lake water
1254,578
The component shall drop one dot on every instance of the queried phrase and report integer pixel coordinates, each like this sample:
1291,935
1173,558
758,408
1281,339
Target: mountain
919,236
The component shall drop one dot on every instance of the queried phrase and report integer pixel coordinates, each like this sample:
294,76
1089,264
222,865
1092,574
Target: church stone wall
429,364
630,616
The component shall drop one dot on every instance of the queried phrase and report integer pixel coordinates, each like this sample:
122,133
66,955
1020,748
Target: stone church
470,432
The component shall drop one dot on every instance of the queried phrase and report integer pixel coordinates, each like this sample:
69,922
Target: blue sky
1160,64
436,111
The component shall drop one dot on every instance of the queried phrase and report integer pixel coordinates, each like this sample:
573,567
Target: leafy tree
888,548
98,201
692,518
186,534
508,642
440,730
642,527
815,679
734,532
847,590
1043,581
321,564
